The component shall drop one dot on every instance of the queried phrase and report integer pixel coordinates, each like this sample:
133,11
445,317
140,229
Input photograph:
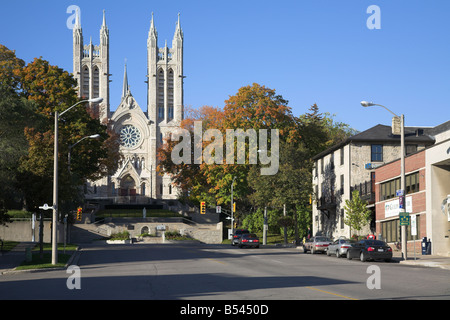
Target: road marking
334,294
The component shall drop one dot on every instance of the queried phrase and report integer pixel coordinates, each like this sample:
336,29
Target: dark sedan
249,240
370,249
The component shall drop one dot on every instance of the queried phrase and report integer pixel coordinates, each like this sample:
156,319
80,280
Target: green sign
404,218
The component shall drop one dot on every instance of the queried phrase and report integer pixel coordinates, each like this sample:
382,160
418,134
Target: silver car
339,247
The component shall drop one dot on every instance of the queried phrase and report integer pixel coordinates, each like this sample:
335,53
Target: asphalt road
221,272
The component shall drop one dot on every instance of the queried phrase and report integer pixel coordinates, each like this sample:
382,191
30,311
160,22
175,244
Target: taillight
244,240
256,240
389,249
345,247
370,249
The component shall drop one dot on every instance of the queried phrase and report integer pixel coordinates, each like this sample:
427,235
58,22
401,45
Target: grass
9,245
46,261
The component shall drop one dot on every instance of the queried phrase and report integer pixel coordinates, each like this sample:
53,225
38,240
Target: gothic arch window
96,82
170,94
160,95
85,82
142,163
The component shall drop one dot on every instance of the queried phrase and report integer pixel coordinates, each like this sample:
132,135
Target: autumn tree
48,88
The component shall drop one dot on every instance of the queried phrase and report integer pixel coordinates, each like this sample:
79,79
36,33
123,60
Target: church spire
77,19
152,33
178,30
125,88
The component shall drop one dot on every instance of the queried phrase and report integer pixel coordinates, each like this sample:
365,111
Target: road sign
218,209
399,193
414,225
404,218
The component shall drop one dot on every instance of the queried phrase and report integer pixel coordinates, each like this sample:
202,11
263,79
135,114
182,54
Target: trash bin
424,246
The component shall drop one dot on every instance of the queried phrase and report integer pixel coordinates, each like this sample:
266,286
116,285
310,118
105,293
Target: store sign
392,208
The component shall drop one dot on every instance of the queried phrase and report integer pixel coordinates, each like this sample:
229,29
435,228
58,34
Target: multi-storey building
427,190
350,165
141,132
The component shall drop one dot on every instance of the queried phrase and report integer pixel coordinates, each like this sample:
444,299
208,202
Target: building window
342,155
376,152
391,230
342,184
411,148
342,219
388,189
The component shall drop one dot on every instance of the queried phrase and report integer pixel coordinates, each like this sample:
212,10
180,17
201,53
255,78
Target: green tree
357,214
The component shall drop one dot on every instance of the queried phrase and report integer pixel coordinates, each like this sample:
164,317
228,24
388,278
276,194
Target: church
141,132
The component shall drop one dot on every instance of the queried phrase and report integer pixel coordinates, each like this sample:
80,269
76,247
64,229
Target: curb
74,255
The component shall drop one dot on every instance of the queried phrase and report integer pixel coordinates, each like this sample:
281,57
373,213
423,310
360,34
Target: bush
124,235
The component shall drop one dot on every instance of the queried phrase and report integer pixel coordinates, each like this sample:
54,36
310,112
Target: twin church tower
141,133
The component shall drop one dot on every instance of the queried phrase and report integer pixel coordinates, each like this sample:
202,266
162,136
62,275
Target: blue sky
308,51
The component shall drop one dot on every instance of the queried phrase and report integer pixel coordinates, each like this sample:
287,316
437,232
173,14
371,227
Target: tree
357,214
34,91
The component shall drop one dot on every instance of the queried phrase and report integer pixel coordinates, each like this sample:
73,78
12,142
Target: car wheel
312,251
348,256
328,253
338,255
362,257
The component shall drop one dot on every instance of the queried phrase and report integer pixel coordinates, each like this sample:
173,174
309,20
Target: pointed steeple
125,88
178,30
77,20
104,32
152,33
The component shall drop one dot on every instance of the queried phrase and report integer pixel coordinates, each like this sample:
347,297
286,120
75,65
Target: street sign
45,207
414,225
404,218
401,202
399,193
218,209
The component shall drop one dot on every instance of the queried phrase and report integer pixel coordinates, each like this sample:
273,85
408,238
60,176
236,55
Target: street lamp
402,166
232,207
55,179
94,136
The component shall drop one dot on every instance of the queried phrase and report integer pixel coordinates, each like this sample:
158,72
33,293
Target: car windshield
241,231
374,243
249,235
322,239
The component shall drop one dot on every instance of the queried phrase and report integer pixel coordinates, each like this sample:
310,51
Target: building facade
141,132
427,194
350,166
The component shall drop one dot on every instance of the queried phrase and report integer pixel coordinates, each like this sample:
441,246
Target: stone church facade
141,132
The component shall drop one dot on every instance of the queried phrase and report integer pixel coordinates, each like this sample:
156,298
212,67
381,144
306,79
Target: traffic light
79,213
202,207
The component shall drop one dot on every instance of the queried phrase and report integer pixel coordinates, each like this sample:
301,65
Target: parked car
339,247
249,240
370,249
237,235
316,244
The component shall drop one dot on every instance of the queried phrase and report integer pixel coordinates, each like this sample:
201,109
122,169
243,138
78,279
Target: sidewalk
12,259
423,260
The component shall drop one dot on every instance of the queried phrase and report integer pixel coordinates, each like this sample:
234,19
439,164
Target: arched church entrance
128,186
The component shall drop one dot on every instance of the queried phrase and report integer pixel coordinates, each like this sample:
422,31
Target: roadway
221,272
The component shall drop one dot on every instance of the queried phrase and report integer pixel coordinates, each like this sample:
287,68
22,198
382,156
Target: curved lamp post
402,165
55,179
94,136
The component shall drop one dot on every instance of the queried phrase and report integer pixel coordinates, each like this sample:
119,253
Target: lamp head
96,100
94,136
367,103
